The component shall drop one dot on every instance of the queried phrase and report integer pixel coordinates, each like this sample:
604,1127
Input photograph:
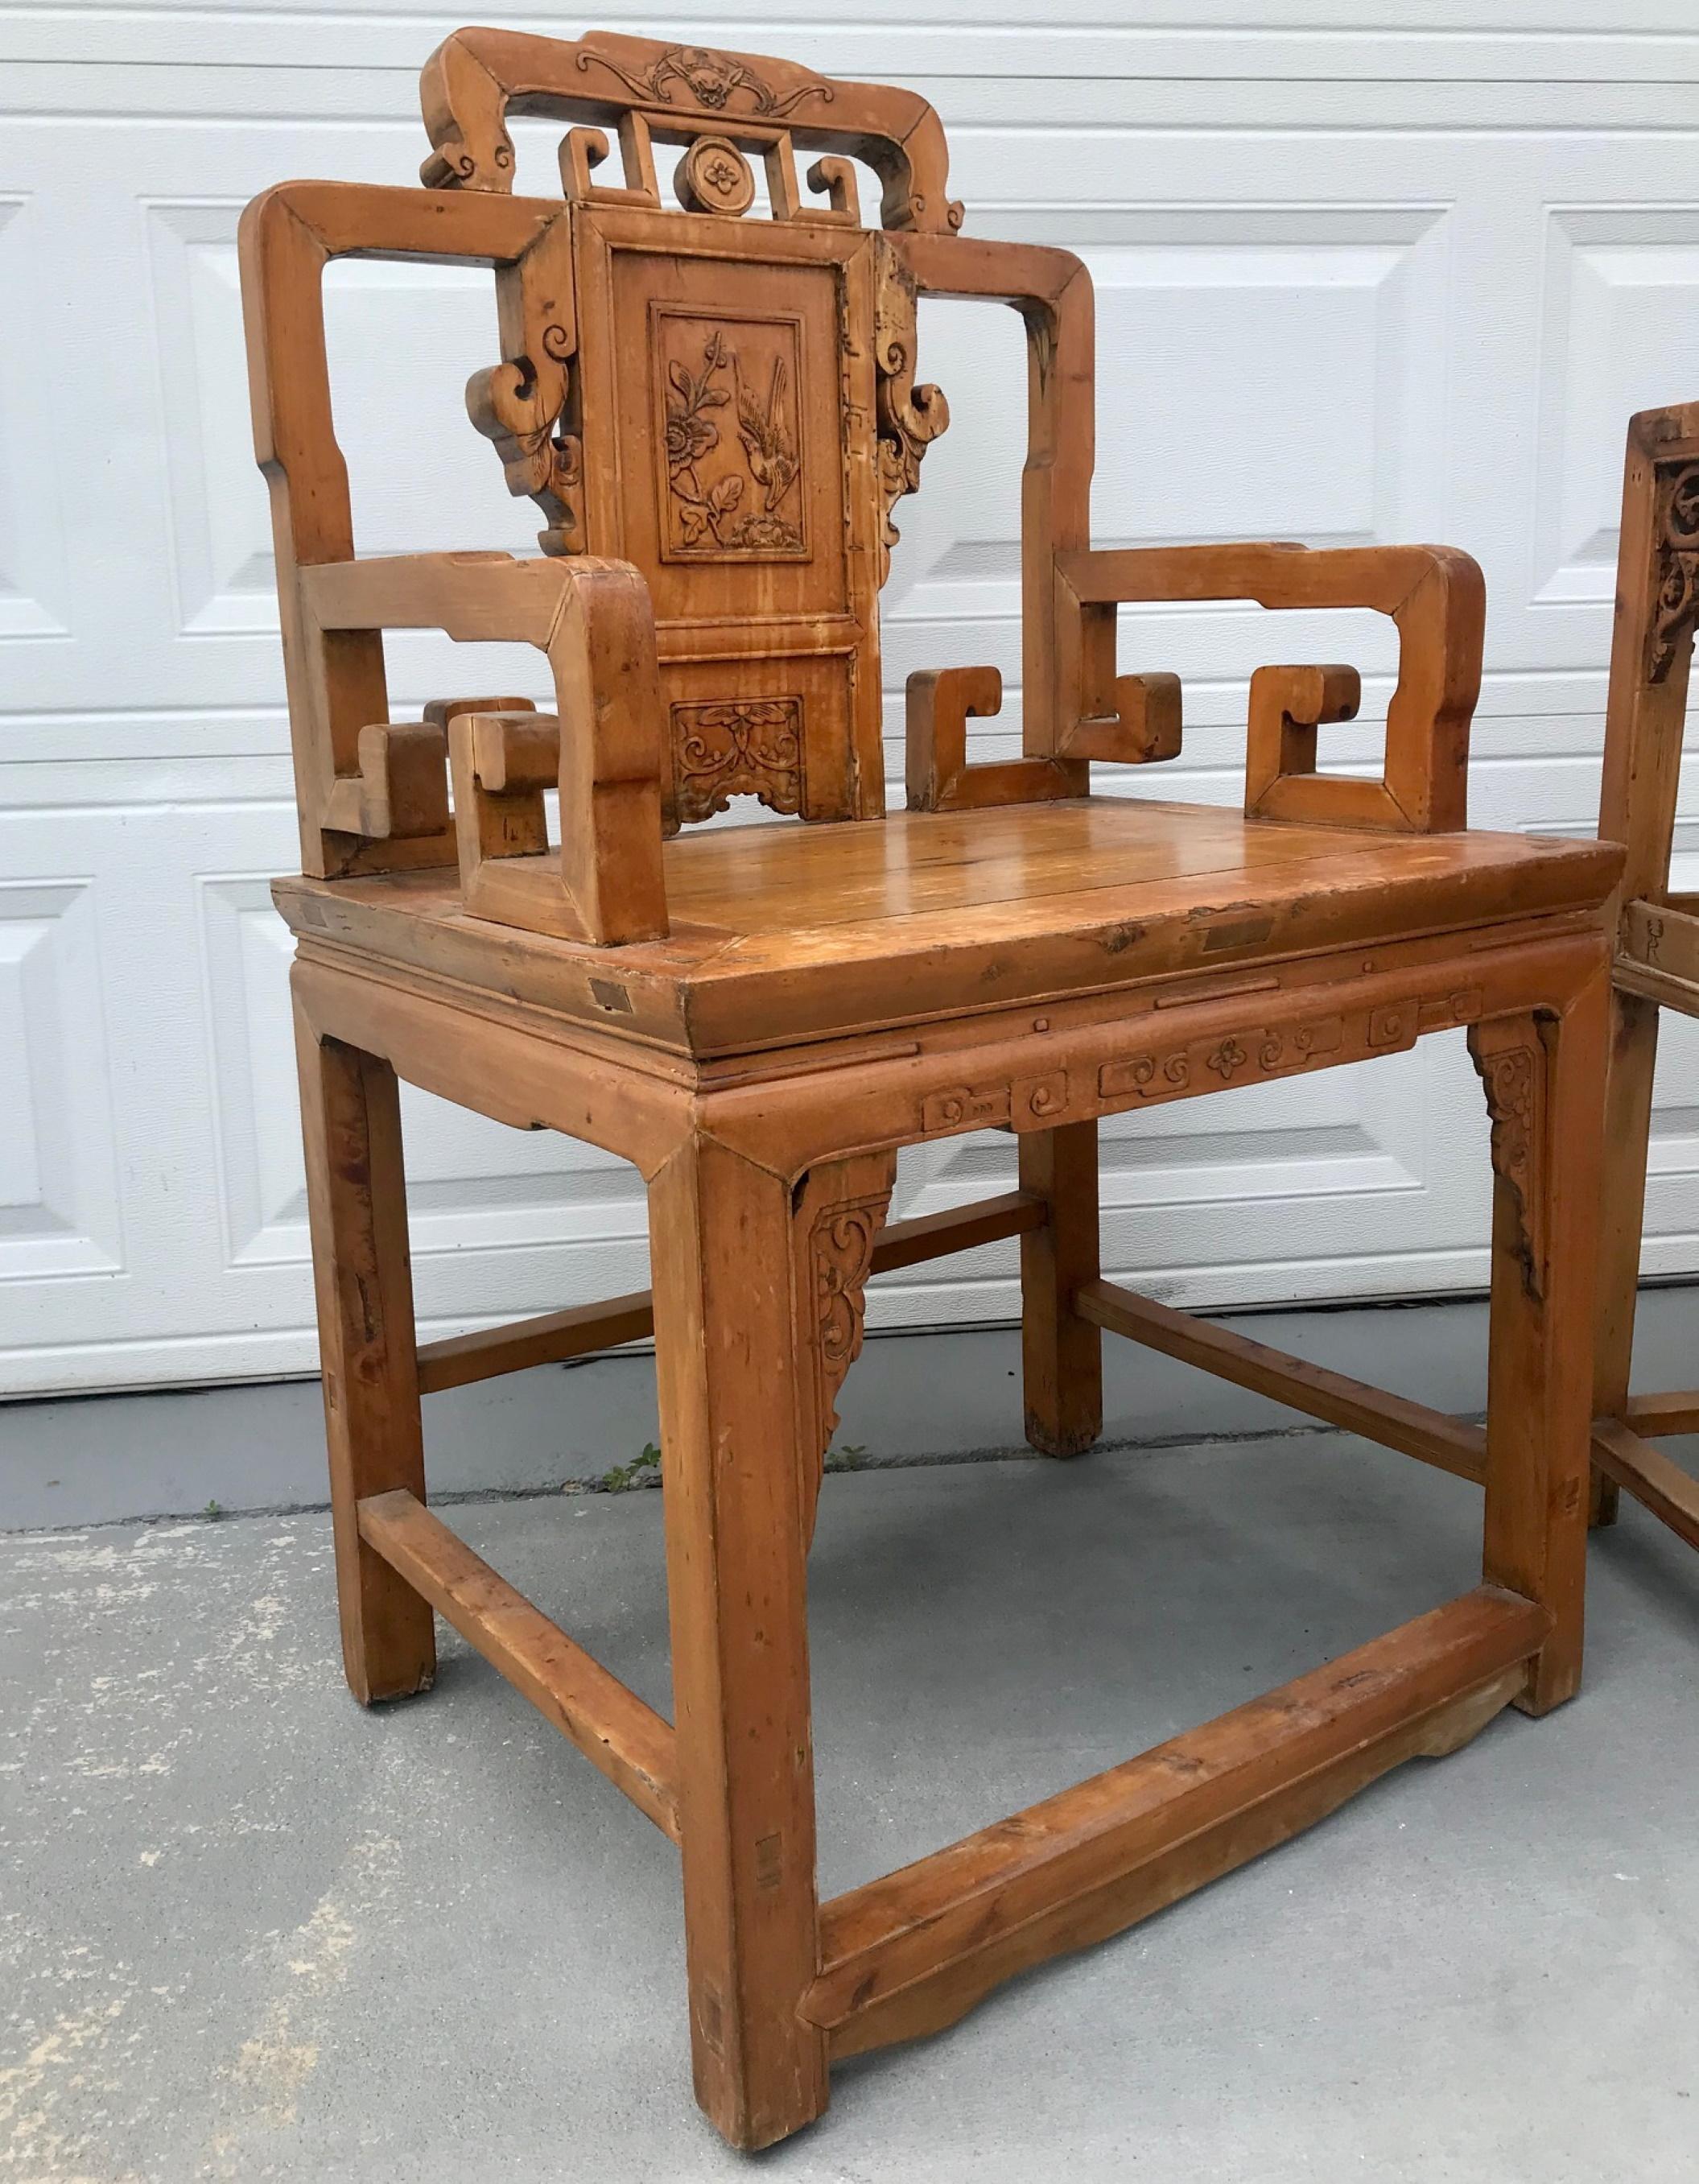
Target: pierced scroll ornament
1675,612
908,418
519,405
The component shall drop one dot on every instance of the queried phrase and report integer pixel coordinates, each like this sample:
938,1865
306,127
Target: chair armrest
1433,595
594,620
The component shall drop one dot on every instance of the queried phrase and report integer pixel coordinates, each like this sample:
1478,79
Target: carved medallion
728,424
715,176
743,747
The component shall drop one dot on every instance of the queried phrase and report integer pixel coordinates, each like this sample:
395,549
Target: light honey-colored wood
1415,1428
1657,962
718,413
613,1729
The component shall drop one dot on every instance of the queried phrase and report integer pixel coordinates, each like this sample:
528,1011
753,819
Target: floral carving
711,80
743,747
908,418
750,506
1229,1058
715,176
1675,611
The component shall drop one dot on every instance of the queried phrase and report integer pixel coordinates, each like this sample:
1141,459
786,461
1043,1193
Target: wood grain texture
788,933
554,1337
477,77
1655,1481
732,1460
719,413
1658,955
1395,1421
357,1210
912,1953
1062,1350
1542,1074
616,1731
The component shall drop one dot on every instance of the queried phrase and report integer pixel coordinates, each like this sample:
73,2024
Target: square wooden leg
1628,1125
357,1207
1543,1074
1062,1354
721,1250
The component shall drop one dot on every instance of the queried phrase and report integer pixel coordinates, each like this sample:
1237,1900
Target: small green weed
643,1470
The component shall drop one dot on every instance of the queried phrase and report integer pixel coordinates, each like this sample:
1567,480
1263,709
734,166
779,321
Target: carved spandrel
840,1209
1675,611
728,433
739,747
1509,1054
519,407
908,418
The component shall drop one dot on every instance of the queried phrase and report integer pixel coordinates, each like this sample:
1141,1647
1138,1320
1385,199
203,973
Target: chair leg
1627,1126
357,1207
720,1253
1061,1355
1543,1078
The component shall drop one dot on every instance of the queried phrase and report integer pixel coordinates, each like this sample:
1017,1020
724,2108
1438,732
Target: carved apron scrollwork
840,1209
1510,1056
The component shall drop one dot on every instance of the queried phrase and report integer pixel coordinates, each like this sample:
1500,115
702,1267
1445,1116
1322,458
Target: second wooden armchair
716,409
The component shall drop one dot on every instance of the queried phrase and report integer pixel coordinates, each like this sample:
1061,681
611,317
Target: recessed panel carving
729,419
742,747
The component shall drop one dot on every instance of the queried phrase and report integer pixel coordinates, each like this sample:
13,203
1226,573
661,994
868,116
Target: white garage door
1398,273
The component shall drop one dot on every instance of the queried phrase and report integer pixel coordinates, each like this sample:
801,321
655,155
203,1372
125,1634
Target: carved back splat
722,397
729,403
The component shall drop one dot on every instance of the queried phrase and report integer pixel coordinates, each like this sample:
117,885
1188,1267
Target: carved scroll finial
909,418
1676,612
519,407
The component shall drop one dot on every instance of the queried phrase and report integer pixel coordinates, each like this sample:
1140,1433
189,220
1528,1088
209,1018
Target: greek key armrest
1433,595
594,620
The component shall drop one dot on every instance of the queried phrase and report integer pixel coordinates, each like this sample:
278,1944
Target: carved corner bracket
527,405
908,418
839,1210
1675,547
1510,1054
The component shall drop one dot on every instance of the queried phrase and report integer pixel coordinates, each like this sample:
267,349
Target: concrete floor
250,1932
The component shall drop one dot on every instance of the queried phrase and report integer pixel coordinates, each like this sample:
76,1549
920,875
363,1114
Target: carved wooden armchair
716,410
1657,932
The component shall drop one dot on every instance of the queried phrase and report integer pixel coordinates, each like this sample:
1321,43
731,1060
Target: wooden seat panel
784,932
